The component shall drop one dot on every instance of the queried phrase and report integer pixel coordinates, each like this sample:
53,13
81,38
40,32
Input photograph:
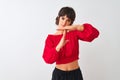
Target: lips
63,25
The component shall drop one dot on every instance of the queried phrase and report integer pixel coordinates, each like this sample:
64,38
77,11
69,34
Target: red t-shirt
70,51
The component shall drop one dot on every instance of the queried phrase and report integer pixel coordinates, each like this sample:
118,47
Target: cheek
68,23
60,22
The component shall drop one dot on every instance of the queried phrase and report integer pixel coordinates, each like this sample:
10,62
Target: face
64,21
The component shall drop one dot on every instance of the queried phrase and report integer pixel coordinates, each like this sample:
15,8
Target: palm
63,41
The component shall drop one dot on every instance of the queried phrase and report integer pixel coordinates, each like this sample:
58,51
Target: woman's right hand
72,27
62,42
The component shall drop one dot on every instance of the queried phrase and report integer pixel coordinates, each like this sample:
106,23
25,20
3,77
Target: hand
70,28
62,42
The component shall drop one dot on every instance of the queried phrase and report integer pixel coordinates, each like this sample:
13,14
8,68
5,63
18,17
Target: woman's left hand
70,28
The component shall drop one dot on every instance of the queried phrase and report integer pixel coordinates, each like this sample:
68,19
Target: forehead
65,16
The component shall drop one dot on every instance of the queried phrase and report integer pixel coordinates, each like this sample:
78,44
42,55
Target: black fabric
67,75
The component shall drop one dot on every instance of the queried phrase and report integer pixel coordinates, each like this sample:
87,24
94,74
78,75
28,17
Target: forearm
62,41
78,27
58,48
61,44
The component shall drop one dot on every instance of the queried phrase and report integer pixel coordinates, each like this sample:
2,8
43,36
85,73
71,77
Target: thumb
66,41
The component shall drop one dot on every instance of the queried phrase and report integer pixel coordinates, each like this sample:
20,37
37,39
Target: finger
63,36
66,41
64,33
61,29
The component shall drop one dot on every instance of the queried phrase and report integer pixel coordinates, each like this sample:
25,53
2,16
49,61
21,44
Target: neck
59,32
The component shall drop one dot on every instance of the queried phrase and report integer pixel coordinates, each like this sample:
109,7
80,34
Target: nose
64,22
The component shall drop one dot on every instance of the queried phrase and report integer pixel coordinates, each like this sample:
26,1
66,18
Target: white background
24,25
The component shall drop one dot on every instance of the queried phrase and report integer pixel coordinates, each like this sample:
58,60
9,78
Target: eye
63,18
69,20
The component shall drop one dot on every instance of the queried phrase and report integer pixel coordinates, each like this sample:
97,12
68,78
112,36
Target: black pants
67,75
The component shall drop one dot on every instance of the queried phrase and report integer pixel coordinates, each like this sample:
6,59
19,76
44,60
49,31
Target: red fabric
70,51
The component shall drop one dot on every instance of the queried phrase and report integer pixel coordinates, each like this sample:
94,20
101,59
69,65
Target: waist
68,66
66,60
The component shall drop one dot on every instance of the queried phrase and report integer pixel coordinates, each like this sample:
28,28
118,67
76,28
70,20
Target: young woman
62,47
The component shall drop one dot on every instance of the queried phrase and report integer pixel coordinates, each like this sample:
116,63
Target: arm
72,27
89,33
85,32
50,55
62,42
51,52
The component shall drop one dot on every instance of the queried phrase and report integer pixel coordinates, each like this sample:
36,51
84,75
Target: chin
63,25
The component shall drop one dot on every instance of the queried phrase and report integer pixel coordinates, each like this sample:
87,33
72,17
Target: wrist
80,27
57,49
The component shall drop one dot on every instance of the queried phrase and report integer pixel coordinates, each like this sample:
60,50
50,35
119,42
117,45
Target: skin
64,27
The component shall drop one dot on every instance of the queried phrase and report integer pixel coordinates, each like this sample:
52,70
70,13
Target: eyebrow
66,17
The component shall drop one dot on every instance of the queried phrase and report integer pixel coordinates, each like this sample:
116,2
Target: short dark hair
69,12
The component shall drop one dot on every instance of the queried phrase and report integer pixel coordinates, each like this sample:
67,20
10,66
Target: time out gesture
72,27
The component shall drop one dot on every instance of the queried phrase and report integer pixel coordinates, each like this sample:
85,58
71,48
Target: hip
67,75
68,66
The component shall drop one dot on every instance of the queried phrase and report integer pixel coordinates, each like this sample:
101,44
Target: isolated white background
24,25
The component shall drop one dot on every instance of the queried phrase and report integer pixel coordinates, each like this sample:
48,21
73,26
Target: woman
62,47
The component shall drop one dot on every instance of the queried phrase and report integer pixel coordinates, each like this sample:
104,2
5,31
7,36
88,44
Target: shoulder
53,37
